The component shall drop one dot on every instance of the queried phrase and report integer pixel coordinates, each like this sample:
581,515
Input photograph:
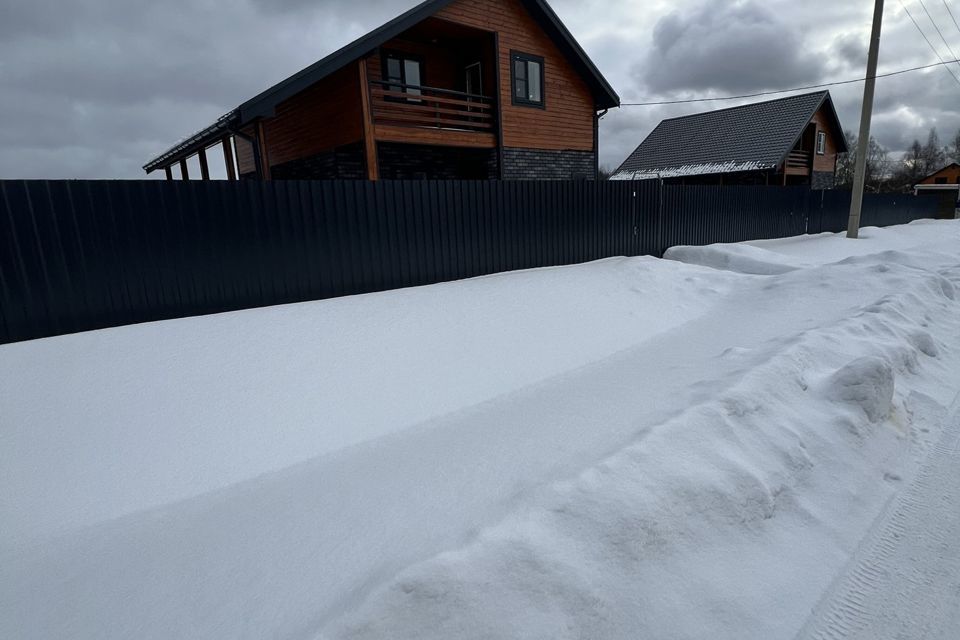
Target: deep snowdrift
624,449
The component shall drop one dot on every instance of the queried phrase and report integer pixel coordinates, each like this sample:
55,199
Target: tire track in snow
905,579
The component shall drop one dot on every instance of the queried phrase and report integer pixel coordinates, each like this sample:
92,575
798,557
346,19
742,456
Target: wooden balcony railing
417,106
799,159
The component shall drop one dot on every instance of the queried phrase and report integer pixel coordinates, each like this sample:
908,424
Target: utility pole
863,142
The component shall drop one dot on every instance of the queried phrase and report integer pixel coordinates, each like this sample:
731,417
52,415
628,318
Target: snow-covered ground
683,448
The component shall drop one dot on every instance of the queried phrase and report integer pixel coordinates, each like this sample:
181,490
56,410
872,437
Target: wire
937,27
806,88
952,17
933,48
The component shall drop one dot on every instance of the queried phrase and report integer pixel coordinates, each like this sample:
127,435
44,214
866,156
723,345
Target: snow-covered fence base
83,255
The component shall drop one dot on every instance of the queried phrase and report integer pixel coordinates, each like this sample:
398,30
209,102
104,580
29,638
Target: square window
527,71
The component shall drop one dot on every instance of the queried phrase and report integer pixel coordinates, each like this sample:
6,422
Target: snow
706,168
185,407
679,448
739,258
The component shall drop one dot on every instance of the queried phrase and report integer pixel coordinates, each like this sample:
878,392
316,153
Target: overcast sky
95,88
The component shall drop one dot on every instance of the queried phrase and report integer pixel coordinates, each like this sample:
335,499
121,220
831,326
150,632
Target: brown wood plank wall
567,120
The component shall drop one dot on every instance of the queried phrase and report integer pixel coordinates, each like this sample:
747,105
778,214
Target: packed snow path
673,449
905,580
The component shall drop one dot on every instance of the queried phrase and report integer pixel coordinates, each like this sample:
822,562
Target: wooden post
184,171
369,137
264,156
499,90
866,113
236,155
228,158
204,167
169,172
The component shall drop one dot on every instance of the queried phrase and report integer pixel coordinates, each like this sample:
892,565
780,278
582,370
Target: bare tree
846,161
933,153
877,164
953,149
911,169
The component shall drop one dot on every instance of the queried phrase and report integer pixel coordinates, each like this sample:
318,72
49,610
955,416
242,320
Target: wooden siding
439,137
323,117
828,161
245,161
567,120
950,173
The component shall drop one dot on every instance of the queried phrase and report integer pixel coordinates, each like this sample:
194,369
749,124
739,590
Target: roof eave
200,140
606,97
264,104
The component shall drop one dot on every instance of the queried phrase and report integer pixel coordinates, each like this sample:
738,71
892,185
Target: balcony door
473,84
474,79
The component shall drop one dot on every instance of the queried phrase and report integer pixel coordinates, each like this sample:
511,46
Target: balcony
798,163
429,115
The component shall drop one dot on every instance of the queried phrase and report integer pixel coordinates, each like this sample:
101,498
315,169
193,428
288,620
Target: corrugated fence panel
81,255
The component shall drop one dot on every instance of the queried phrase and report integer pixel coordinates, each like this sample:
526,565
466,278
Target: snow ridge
605,554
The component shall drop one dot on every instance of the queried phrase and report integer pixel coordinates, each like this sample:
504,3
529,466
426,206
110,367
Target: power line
937,27
952,17
930,44
806,88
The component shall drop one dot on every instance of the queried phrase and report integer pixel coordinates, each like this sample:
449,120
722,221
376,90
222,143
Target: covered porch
434,85
422,105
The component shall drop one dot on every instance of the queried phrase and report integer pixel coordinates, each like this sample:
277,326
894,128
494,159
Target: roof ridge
749,104
757,132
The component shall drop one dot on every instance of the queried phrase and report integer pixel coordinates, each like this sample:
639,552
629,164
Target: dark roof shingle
745,138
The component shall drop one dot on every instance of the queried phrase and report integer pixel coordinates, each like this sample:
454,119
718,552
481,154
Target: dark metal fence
81,255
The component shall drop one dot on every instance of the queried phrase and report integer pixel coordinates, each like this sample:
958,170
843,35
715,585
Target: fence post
660,250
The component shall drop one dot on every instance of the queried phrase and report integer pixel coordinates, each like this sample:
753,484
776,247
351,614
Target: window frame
403,57
519,56
821,145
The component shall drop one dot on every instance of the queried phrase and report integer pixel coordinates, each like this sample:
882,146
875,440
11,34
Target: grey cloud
849,51
97,87
726,47
345,10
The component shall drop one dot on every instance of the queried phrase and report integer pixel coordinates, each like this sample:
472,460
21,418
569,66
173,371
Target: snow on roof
693,170
737,136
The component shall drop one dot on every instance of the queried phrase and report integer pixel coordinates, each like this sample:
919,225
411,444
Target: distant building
789,141
950,174
452,89
945,184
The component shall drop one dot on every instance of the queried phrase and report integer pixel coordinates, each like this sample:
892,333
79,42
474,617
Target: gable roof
940,170
750,137
264,104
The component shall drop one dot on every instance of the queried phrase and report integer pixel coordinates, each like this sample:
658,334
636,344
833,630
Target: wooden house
452,89
789,141
943,184
950,174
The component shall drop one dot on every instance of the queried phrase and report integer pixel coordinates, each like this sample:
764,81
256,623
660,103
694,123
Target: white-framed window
821,143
